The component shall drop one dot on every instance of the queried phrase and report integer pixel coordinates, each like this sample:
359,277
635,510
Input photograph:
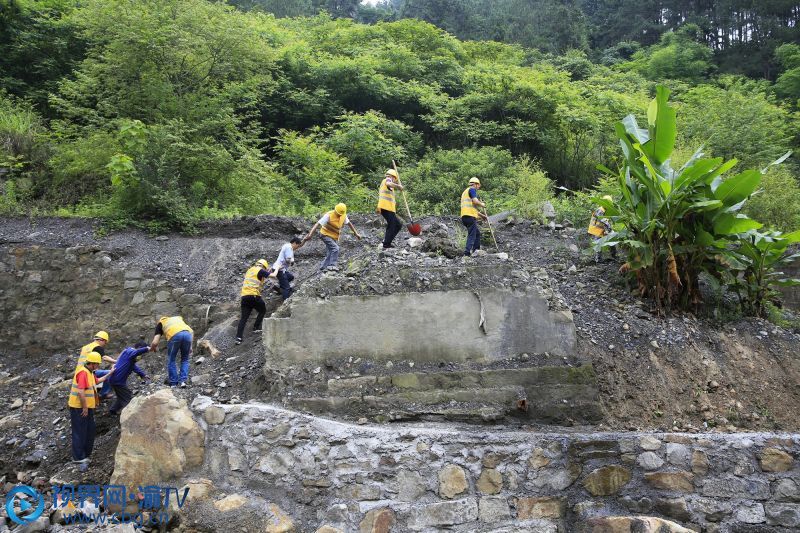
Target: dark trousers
83,432
124,395
285,279
473,235
393,227
248,304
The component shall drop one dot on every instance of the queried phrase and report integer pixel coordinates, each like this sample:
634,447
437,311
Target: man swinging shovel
387,207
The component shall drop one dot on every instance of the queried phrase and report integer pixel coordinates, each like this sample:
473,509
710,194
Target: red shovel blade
414,229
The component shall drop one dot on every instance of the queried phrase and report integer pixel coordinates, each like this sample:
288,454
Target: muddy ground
684,372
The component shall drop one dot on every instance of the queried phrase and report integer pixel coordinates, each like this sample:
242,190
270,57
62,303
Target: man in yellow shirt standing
387,206
470,214
83,400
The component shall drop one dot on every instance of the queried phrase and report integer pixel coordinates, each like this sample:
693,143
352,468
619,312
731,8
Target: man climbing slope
331,227
253,283
126,363
179,339
286,259
470,214
387,206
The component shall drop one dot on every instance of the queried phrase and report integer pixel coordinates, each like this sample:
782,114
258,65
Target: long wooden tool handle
491,230
405,200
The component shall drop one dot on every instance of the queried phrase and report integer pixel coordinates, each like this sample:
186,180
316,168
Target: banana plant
673,223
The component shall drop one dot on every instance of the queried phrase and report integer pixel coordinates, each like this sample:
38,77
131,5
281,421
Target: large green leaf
662,127
728,224
737,188
792,237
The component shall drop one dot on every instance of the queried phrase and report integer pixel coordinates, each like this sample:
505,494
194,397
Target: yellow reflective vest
467,207
86,350
596,226
252,285
173,325
386,199
75,392
334,226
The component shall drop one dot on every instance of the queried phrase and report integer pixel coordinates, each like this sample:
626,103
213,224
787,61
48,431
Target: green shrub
535,188
777,204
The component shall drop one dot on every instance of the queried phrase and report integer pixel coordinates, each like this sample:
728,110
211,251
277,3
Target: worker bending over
253,283
179,339
387,206
331,227
470,214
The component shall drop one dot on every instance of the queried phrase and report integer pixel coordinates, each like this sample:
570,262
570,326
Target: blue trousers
285,279
180,342
332,257
473,235
106,385
83,432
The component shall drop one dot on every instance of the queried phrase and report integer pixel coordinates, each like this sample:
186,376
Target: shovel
413,227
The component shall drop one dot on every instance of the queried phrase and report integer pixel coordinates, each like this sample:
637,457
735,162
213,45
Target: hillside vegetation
164,112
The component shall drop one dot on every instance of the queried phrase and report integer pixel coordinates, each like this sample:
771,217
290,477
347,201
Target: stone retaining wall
54,299
283,471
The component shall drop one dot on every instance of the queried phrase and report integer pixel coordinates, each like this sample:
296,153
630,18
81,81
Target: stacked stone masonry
321,475
58,297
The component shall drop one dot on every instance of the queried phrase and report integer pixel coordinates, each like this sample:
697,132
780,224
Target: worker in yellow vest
387,206
98,345
599,227
254,280
470,215
179,339
331,225
82,402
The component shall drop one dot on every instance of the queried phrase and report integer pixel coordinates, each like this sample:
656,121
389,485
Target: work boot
238,341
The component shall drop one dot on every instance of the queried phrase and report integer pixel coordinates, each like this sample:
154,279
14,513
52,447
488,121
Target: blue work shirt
126,363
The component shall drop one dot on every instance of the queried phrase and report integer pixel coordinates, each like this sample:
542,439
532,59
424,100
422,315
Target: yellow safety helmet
341,209
263,263
94,357
608,197
392,172
101,335
474,180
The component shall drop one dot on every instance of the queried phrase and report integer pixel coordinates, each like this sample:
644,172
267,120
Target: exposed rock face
160,441
307,474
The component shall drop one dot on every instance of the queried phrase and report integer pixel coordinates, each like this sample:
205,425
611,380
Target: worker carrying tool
83,400
387,206
98,345
254,280
179,339
470,202
331,227
599,227
279,268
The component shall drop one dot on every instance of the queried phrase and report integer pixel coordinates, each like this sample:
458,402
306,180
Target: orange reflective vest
173,325
386,199
334,226
75,392
252,285
468,209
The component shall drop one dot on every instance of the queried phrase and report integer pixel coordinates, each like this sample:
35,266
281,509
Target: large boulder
159,441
